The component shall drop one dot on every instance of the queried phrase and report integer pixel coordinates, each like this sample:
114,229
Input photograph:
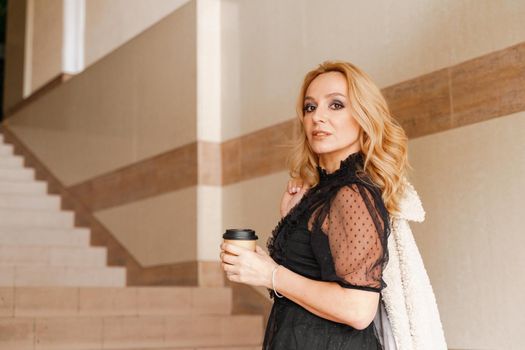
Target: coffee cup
245,238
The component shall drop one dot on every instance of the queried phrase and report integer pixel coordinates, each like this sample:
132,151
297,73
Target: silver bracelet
273,282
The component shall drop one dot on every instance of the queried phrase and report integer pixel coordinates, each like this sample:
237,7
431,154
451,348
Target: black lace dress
338,232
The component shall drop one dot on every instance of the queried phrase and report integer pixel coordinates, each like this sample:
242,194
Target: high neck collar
348,166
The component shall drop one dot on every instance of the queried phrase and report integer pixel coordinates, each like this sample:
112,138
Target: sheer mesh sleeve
356,239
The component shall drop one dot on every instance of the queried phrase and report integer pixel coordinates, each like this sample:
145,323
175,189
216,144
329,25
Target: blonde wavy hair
382,139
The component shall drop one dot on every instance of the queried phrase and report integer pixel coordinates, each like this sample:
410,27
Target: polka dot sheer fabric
338,232
345,217
353,228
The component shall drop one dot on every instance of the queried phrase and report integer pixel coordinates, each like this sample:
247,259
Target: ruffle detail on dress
328,185
349,165
276,244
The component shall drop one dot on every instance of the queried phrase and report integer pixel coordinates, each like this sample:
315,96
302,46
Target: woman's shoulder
362,185
410,206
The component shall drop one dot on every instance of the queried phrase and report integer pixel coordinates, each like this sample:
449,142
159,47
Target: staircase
56,291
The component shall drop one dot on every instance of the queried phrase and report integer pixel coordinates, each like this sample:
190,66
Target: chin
321,150
325,146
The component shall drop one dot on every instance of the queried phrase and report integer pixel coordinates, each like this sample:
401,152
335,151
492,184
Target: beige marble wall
209,209
156,230
470,234
254,204
110,24
268,46
470,181
44,39
135,103
209,222
14,54
469,178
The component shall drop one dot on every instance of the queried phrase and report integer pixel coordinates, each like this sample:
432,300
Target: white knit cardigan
408,317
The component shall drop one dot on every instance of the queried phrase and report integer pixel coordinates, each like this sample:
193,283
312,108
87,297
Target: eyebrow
329,95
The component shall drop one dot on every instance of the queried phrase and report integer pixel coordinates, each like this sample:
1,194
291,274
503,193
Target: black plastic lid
240,234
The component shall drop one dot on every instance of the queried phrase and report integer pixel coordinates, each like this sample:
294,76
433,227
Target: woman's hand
247,266
295,190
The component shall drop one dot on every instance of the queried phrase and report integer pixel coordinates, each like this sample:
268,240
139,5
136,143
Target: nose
319,115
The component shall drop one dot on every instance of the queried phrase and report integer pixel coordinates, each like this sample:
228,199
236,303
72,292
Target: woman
329,250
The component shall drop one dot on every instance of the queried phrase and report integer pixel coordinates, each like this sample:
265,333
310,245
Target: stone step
132,332
30,202
10,162
52,255
79,237
36,218
19,187
6,149
109,301
17,174
62,276
257,347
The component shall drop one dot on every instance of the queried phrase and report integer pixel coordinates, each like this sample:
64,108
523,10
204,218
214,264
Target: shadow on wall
3,17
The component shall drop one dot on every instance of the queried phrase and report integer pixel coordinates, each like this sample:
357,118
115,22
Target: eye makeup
306,108
338,103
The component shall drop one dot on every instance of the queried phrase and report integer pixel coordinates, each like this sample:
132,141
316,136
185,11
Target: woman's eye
308,108
337,105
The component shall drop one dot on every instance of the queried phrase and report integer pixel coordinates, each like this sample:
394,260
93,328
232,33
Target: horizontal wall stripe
421,105
473,91
209,163
489,86
260,153
165,172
